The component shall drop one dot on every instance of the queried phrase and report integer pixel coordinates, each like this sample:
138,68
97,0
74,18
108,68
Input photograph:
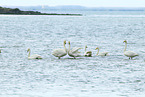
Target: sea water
114,75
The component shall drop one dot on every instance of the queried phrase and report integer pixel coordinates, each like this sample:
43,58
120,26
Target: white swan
102,53
60,52
87,53
33,56
129,54
74,51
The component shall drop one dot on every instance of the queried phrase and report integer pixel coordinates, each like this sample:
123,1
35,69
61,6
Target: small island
16,11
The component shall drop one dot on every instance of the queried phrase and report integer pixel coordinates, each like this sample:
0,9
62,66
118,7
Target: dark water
111,76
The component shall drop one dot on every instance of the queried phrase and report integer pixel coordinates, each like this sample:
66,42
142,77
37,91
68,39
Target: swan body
74,52
60,52
87,53
129,54
36,56
102,53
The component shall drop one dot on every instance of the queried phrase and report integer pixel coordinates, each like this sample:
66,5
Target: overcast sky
88,3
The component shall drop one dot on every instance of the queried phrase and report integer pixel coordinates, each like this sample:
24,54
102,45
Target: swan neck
69,49
97,52
85,49
125,46
65,47
29,54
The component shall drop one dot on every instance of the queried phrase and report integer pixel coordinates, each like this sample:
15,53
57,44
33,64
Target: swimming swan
87,53
129,54
102,53
74,51
33,56
60,52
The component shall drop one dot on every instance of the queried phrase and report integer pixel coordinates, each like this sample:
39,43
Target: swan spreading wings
36,56
74,52
102,53
60,52
87,53
129,54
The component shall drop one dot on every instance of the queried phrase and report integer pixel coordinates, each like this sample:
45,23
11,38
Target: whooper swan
87,53
74,51
129,54
102,53
60,52
33,56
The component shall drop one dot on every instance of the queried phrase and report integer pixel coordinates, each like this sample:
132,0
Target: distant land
17,11
78,8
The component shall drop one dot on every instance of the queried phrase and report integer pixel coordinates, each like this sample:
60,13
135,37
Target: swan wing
59,52
36,56
75,50
130,53
103,53
75,54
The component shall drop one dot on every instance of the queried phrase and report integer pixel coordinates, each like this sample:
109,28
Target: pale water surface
111,76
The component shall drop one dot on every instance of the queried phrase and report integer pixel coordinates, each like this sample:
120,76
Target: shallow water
111,76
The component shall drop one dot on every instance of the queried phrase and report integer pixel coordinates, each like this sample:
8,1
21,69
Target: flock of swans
74,52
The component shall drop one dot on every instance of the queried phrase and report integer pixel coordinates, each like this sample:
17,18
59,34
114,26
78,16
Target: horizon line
78,5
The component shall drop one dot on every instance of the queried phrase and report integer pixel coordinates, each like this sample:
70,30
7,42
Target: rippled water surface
111,76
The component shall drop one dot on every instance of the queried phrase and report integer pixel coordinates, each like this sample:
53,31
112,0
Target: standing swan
129,54
60,52
102,53
74,51
33,56
87,53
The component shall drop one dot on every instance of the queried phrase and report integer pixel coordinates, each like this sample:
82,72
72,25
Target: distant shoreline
77,8
44,14
16,11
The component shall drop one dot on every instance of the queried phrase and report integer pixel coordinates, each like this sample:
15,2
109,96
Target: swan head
28,50
69,42
125,41
64,41
86,46
96,48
